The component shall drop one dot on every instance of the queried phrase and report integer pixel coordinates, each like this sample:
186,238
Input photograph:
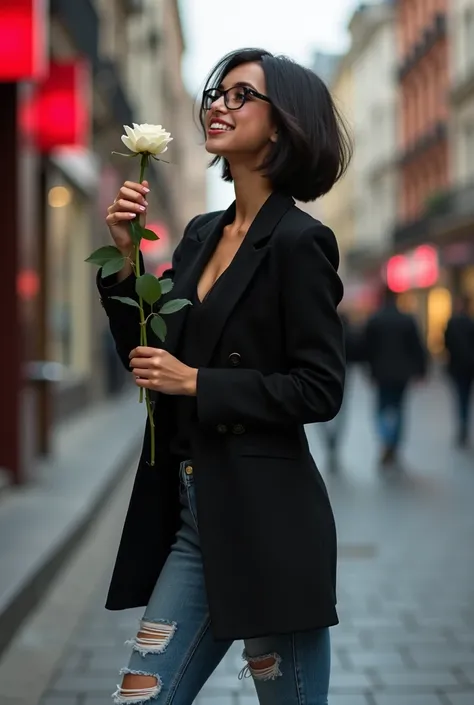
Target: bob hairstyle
314,148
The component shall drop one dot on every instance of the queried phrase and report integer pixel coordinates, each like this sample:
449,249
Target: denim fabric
390,413
177,646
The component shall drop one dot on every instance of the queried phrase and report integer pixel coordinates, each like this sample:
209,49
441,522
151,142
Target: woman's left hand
160,371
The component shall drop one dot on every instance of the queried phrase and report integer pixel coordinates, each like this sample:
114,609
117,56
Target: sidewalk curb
36,582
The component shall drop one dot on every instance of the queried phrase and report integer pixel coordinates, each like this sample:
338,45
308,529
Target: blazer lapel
237,278
240,273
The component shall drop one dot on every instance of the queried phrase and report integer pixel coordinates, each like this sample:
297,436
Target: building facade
458,232
424,105
373,56
337,208
433,239
361,208
461,22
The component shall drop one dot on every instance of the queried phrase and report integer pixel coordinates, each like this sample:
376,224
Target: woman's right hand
130,203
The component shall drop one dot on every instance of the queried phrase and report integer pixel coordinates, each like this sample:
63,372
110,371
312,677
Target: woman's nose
219,104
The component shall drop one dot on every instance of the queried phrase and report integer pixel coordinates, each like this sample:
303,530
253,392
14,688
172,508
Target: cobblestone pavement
406,578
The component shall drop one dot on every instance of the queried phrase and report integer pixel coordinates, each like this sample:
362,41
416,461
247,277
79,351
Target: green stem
143,334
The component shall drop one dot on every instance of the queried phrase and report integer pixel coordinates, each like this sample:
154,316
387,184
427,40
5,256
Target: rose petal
162,145
144,137
128,143
129,132
142,144
139,131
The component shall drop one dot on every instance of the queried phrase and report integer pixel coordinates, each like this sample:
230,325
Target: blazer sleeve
124,321
312,389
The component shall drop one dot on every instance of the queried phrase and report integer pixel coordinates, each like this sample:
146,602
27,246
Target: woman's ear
274,136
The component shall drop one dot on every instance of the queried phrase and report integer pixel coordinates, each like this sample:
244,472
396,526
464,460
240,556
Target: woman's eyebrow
243,84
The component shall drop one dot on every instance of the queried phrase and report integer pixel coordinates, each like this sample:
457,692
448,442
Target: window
69,277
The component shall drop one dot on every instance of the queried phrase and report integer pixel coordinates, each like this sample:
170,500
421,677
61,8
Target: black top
185,413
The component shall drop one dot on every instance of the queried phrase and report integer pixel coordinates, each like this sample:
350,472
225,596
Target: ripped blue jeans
175,645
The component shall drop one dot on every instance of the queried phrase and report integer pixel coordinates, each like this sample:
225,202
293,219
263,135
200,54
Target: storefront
423,287
69,215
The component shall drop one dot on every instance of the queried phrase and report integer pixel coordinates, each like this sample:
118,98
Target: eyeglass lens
234,98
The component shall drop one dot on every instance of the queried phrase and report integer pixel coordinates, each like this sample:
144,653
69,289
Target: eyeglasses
234,98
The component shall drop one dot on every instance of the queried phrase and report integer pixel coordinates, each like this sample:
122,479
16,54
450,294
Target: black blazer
270,360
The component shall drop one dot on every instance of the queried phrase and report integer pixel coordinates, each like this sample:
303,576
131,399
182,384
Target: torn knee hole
264,668
153,637
137,687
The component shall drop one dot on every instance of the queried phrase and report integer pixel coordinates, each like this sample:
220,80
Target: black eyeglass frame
246,90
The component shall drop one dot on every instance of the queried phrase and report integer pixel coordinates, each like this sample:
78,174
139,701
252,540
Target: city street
406,578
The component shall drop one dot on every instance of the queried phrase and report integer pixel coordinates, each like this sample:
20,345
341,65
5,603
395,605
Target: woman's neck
251,192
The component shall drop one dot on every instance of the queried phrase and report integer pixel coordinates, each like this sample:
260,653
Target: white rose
152,139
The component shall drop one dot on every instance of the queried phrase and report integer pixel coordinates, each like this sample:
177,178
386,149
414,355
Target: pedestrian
333,430
459,342
231,534
396,355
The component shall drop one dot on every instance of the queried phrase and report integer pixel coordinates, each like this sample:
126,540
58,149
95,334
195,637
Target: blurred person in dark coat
459,342
396,355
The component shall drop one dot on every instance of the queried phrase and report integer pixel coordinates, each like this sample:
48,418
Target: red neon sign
23,46
418,269
58,112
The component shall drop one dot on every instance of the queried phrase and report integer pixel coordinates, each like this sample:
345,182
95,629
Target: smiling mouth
217,126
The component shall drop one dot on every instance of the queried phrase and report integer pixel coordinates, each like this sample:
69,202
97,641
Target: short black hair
314,147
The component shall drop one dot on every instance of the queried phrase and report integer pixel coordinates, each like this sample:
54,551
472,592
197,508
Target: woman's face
247,131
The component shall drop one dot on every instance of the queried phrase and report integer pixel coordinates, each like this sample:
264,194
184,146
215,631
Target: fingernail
142,208
132,215
146,190
145,203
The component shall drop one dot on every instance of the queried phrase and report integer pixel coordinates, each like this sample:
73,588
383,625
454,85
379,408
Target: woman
231,534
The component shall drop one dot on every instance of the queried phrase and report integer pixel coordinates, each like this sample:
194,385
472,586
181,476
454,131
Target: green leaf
166,285
158,326
148,234
135,231
112,266
174,306
148,287
103,255
126,300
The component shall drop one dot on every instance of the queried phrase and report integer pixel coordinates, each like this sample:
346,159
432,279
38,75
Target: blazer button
221,428
238,429
234,359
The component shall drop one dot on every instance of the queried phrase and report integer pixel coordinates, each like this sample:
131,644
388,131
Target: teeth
220,126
